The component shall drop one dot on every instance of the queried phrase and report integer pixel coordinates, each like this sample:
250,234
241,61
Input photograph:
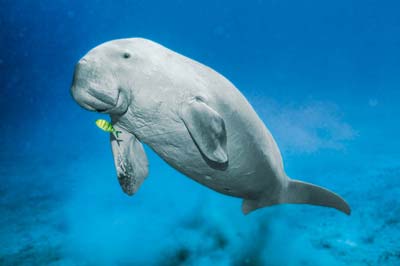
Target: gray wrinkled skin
192,117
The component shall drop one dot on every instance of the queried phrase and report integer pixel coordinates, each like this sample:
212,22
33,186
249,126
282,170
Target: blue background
323,75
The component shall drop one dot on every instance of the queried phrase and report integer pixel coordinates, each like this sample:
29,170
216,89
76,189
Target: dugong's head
106,80
102,79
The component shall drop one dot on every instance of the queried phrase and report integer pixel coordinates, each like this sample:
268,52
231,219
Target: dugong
192,117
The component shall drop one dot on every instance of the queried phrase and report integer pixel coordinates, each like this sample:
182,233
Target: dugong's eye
126,55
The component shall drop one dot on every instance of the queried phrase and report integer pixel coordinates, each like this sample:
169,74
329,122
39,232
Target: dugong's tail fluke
302,192
299,192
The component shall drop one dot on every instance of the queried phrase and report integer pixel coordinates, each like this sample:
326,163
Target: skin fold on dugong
192,117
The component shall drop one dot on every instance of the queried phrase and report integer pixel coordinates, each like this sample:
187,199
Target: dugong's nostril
80,64
82,61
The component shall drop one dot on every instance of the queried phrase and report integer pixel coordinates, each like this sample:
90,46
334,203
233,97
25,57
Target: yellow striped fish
106,126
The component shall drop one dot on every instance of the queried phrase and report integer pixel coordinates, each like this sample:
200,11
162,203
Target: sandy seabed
37,226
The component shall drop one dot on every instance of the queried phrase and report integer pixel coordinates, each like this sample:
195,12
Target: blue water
323,75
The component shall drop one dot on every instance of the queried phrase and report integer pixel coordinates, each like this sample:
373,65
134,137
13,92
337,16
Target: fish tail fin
117,132
298,192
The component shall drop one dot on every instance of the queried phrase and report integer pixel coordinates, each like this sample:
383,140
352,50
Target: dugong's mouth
108,109
96,101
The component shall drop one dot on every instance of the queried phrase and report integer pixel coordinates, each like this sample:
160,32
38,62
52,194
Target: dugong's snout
95,89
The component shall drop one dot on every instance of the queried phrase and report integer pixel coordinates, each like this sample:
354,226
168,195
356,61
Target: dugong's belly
249,172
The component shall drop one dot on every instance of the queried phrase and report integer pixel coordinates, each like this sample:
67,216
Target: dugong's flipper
299,192
207,128
130,160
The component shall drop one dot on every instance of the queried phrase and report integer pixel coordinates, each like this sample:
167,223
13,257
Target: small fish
106,126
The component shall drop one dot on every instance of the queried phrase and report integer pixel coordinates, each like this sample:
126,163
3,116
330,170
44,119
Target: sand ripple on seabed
371,234
31,220
33,227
